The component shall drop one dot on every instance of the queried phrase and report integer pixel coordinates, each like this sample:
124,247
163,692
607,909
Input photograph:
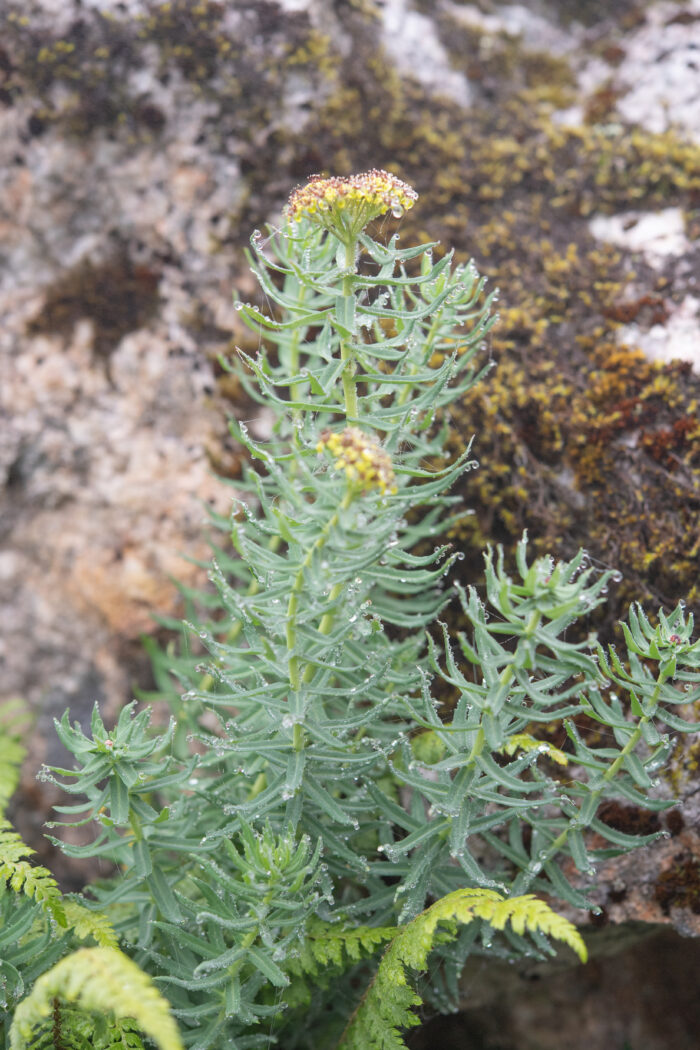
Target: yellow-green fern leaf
12,751
525,742
123,1035
86,923
29,879
526,914
327,945
100,981
65,1028
388,1005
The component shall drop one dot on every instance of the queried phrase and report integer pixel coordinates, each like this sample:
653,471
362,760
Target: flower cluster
345,205
365,462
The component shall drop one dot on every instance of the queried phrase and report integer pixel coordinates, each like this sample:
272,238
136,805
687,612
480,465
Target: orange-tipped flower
364,461
345,205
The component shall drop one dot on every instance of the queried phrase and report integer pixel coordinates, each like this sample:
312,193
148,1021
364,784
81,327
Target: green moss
679,885
118,296
682,770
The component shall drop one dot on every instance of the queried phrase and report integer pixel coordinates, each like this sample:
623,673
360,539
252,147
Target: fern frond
330,945
123,1034
99,981
86,923
64,1028
12,750
32,880
388,1005
526,914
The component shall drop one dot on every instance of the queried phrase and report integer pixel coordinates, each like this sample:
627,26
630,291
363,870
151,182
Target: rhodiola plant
312,802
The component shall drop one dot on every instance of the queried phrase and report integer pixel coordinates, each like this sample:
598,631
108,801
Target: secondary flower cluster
365,462
345,205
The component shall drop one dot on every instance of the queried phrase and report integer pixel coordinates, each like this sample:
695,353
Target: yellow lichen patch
367,466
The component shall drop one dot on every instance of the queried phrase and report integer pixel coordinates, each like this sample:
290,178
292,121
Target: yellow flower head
364,461
345,205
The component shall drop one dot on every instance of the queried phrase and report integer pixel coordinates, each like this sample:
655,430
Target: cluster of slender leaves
41,976
310,796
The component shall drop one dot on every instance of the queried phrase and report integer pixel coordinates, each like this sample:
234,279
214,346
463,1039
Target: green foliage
99,981
22,877
12,717
87,924
38,925
337,946
38,884
388,1004
312,795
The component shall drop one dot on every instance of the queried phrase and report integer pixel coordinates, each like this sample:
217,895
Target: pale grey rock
661,239
532,26
411,40
677,339
660,73
657,235
656,81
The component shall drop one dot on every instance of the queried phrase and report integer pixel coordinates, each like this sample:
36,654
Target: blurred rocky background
558,144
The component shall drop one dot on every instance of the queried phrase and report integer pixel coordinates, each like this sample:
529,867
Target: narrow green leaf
118,799
163,896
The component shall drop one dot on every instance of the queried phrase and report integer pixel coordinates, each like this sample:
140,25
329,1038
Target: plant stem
295,676
525,878
294,362
348,377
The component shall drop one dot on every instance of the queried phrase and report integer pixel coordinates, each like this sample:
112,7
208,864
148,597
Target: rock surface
638,993
141,142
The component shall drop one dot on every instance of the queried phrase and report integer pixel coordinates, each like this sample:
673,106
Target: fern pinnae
388,1004
337,946
85,923
100,981
123,1034
33,881
12,749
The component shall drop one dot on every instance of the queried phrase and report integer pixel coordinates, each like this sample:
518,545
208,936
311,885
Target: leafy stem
593,797
294,664
348,301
